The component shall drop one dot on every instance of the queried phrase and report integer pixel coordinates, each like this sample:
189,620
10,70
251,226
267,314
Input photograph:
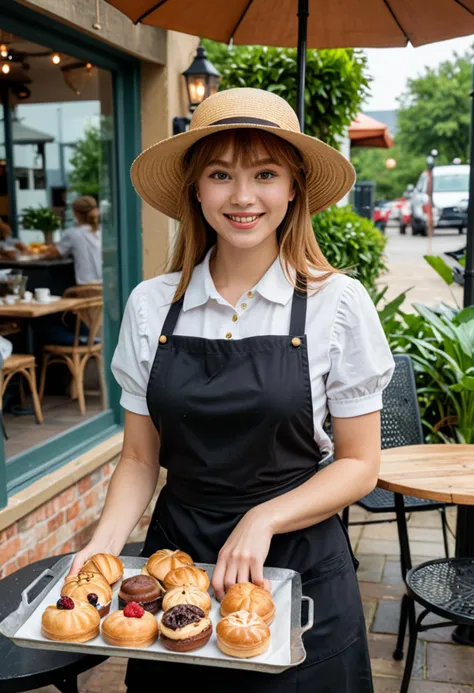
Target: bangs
245,145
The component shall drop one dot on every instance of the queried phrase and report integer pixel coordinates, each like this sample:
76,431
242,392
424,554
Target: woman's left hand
242,557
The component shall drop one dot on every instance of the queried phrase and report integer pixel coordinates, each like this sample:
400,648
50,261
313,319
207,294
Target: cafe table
437,472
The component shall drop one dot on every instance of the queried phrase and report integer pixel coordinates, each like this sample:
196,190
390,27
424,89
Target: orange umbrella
365,131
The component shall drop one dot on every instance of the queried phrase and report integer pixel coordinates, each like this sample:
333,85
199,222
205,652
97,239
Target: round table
24,669
437,472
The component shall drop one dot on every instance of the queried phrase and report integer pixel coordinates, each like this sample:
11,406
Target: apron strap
172,317
298,309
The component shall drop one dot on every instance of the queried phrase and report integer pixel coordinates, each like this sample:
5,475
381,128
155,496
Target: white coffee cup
27,296
10,299
42,295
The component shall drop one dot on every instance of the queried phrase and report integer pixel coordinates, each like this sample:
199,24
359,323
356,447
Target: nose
242,194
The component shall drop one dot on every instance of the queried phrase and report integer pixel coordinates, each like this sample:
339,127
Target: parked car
450,199
405,217
381,214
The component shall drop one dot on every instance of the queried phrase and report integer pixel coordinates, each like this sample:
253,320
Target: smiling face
244,192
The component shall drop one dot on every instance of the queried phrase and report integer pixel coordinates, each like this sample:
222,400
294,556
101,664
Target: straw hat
157,173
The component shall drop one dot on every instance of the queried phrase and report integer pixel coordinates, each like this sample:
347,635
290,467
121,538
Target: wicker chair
23,365
84,290
76,356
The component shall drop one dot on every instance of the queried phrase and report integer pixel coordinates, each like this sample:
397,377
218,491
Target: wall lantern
202,80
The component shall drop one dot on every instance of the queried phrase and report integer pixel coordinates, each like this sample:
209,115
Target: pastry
70,621
187,595
242,634
184,628
132,627
108,565
143,589
164,560
185,576
248,597
89,587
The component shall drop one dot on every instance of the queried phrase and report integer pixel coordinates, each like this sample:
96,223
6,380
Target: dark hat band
237,120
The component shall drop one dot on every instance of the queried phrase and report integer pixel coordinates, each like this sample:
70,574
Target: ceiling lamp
56,58
4,50
5,68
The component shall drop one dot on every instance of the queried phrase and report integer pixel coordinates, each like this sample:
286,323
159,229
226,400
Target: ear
292,195
198,196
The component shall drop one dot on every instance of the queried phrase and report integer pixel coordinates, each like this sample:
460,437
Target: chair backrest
91,313
84,291
400,416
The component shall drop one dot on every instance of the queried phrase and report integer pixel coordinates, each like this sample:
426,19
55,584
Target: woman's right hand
83,556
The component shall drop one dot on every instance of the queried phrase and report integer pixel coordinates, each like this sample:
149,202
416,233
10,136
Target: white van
450,199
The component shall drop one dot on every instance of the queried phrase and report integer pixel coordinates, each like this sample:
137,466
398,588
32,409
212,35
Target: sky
392,67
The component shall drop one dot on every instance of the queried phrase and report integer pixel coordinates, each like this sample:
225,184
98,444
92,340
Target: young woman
229,364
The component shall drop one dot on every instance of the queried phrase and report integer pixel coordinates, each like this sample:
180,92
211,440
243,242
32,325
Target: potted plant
41,219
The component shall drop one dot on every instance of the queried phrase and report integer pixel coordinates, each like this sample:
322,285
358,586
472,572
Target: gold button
243,306
163,339
228,335
250,294
235,318
296,342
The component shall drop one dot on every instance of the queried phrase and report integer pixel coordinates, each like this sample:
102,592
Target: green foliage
84,177
435,111
352,243
369,164
41,219
336,81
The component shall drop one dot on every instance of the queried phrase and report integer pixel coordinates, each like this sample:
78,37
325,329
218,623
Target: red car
381,214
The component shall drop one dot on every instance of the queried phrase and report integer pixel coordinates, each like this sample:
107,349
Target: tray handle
309,623
25,602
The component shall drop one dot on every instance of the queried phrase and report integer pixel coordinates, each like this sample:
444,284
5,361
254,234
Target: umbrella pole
303,13
469,268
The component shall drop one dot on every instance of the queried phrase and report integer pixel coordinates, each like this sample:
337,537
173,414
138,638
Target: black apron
236,428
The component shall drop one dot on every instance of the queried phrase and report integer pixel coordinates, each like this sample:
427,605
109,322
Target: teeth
243,220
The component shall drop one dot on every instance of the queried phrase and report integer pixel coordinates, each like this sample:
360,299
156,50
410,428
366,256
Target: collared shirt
349,359
85,246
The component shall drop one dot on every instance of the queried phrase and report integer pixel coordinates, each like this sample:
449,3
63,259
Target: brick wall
62,525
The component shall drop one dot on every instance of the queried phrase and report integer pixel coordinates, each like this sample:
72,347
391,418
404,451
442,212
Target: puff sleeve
130,363
361,364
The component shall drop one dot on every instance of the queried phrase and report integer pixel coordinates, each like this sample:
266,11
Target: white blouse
349,359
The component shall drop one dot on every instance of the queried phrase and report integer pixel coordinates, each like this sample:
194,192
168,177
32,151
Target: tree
85,162
369,164
336,81
435,111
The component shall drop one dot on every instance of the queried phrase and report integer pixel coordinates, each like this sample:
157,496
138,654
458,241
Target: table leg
464,635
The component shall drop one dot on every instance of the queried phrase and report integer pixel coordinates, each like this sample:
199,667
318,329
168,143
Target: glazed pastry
107,565
186,576
164,560
184,628
89,587
187,595
242,635
248,597
143,589
70,621
132,627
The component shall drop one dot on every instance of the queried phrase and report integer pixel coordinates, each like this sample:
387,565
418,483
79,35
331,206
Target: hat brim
157,173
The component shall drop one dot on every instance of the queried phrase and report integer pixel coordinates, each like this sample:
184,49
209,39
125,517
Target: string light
4,51
89,66
5,68
56,58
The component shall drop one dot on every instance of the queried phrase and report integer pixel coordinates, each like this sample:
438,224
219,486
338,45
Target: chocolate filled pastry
248,597
132,627
187,595
242,635
184,628
107,565
187,576
70,621
143,589
161,562
89,587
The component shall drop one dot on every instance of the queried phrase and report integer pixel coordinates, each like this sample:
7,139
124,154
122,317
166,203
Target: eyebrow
227,164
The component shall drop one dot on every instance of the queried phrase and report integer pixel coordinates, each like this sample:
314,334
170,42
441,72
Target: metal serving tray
23,626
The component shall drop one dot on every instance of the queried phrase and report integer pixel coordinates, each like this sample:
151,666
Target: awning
365,131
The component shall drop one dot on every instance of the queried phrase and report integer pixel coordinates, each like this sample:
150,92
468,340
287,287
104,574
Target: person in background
8,245
83,241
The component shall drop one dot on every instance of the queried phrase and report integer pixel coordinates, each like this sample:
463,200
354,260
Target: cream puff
186,576
161,562
184,628
89,587
187,595
107,565
143,589
242,635
132,627
70,621
248,597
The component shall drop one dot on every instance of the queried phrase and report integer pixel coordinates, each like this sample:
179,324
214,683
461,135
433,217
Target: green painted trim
30,466
122,257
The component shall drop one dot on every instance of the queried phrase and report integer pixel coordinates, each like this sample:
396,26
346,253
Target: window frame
123,259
